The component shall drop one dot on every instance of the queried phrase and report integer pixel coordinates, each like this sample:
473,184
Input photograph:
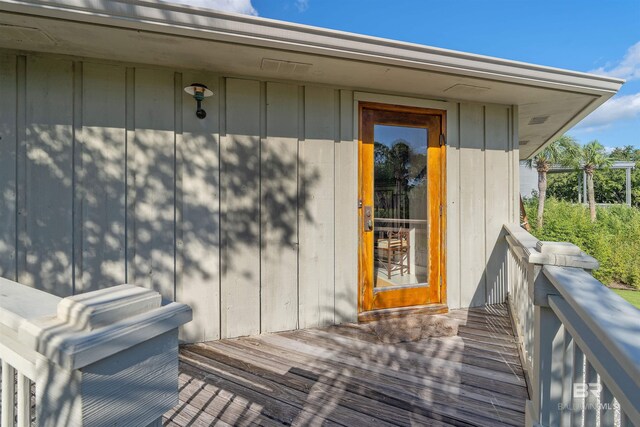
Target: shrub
614,239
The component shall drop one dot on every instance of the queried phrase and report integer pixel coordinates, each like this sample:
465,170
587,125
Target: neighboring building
265,214
528,181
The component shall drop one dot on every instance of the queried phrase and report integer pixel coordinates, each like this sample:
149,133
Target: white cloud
302,5
617,108
237,6
628,68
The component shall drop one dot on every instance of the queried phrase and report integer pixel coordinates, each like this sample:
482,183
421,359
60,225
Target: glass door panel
400,200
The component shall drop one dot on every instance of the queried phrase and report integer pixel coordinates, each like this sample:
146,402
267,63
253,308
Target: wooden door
401,207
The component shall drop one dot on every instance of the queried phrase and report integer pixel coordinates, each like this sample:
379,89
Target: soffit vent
462,89
17,34
525,142
284,67
538,120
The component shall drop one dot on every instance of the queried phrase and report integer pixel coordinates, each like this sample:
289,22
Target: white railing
580,341
103,358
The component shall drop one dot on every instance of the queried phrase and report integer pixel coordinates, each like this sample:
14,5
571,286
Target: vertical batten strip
452,200
299,201
515,164
484,279
177,181
21,169
8,394
261,226
336,149
130,177
509,164
222,122
459,209
77,188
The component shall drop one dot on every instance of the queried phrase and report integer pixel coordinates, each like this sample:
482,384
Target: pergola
627,166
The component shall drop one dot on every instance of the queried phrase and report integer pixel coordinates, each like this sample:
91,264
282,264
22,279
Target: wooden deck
343,375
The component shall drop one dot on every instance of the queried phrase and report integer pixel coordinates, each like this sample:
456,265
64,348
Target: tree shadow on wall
145,210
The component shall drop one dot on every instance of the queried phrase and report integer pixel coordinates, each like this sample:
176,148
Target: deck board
343,375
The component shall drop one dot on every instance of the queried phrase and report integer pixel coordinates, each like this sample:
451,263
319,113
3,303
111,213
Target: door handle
368,218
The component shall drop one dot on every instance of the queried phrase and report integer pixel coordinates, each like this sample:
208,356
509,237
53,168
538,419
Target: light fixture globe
199,92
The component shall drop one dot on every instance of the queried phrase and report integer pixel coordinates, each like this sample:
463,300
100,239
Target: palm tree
392,165
552,154
590,157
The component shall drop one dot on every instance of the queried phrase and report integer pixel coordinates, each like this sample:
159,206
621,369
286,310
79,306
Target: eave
179,36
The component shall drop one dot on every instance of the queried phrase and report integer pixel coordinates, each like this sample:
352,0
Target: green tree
543,161
564,186
628,153
589,157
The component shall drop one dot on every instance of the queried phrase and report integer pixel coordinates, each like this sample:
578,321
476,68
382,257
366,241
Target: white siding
8,153
317,213
279,210
240,197
198,210
100,185
46,177
153,175
346,214
497,201
472,205
249,216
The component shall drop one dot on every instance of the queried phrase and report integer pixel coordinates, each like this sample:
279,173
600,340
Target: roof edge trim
230,27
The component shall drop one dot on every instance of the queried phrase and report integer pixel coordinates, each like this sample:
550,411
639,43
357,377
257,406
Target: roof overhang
550,100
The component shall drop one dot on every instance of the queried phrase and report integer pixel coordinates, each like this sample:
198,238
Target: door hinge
443,140
440,210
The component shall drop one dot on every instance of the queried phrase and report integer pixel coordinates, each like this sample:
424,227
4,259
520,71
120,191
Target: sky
601,37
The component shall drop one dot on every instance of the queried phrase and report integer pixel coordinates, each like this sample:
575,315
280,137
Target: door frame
432,306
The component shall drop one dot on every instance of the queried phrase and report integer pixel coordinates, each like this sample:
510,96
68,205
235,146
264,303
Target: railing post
110,357
548,352
548,336
548,365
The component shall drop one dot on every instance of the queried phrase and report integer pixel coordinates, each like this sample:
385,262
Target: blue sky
583,35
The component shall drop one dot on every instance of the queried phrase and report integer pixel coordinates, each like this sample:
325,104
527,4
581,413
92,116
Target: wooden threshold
388,313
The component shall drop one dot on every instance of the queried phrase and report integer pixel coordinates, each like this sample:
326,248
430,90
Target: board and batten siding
249,216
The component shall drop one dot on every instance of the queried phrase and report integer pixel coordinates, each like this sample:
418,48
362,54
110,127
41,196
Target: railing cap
19,303
92,310
562,254
76,331
558,248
